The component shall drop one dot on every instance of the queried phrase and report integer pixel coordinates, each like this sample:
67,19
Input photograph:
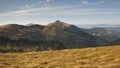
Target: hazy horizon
69,11
46,23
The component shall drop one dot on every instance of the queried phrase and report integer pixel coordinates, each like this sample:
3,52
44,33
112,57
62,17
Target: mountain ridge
69,35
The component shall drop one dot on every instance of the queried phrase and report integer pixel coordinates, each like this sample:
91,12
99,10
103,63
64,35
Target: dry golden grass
99,57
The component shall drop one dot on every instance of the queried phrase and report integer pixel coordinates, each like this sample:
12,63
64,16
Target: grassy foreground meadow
98,57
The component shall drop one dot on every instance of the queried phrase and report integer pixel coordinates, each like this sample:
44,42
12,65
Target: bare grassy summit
98,57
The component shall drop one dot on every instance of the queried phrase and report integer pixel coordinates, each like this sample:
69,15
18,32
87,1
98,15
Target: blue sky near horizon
70,11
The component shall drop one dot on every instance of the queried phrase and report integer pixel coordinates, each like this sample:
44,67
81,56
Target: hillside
25,45
53,36
70,35
99,57
116,29
67,34
103,33
115,42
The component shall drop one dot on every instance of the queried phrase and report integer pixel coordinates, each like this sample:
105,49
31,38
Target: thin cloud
97,3
85,2
40,1
60,10
31,11
48,0
46,3
28,6
91,11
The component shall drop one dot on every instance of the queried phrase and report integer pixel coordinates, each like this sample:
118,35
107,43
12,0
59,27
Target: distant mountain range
116,29
98,25
54,36
103,33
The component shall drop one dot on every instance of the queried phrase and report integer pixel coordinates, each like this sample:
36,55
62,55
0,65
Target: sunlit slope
99,57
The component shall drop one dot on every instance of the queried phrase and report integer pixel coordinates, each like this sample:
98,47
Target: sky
69,11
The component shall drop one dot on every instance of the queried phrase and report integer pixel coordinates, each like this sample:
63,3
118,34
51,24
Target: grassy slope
100,57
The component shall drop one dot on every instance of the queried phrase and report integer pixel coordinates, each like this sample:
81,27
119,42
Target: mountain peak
59,23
